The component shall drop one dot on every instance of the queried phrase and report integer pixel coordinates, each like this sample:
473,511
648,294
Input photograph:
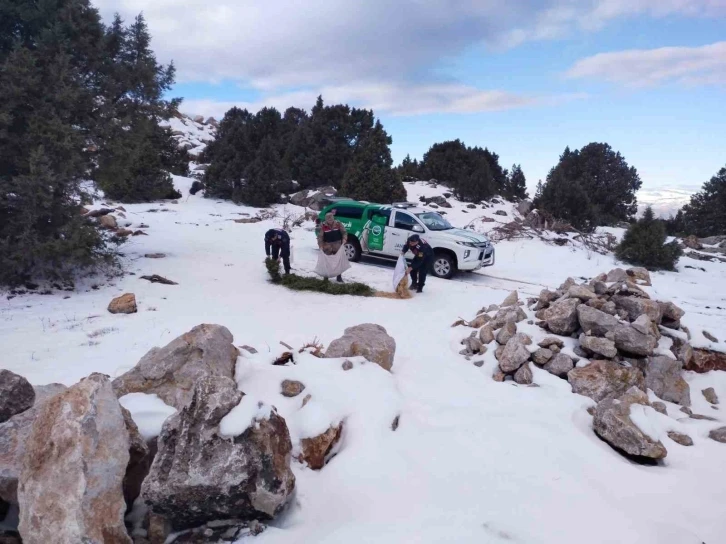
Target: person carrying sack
423,257
277,245
332,237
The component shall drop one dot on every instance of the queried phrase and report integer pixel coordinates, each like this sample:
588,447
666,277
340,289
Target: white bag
399,272
331,266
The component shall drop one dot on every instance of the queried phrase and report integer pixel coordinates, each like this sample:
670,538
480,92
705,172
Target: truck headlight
467,244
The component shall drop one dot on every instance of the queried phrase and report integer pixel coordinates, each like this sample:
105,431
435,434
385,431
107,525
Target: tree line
79,100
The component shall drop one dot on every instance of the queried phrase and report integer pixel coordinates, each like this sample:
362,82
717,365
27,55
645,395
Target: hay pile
402,291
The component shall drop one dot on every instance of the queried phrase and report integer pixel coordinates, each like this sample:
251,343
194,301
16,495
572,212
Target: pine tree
517,184
370,176
566,199
477,184
50,56
705,214
262,177
538,192
644,244
409,169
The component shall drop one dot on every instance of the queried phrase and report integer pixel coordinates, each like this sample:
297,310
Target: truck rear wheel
352,249
444,266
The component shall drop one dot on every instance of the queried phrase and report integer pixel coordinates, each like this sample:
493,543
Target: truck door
403,224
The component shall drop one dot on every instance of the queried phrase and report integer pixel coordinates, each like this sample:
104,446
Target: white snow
472,460
243,416
148,412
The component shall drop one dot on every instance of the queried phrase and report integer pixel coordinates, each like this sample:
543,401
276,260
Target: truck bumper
486,258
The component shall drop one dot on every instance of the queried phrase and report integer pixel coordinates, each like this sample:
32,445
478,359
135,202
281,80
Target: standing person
332,237
278,241
423,257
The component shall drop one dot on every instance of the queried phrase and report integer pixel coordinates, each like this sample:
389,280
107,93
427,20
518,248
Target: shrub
644,245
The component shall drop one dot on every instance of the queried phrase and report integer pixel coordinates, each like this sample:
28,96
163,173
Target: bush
644,245
300,283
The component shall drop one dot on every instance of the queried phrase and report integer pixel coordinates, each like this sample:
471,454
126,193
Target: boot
339,278
420,289
413,286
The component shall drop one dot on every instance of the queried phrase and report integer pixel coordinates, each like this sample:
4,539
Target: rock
504,315
16,395
702,418
123,233
108,222
140,458
500,212
155,255
198,119
511,299
710,395
14,435
600,346
347,365
639,274
292,388
506,333
705,360
660,407
155,278
367,340
600,288
523,376
513,356
559,365
609,308
524,338
479,321
561,316
315,200
581,352
643,325
682,351
201,475
125,304
710,336
612,423
692,242
616,275
719,435
581,292
493,308
486,334
627,288
71,483
546,297
631,341
604,379
498,353
680,438
498,375
172,371
595,322
635,307
542,355
663,376
672,315
524,207
550,341
315,450
472,346
478,364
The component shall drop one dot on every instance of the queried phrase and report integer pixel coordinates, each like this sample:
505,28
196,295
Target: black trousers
418,276
284,252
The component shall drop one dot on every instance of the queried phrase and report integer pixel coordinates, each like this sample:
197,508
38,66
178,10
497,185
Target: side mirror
418,228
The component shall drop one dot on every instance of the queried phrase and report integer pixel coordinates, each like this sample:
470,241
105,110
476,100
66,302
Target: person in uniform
423,257
277,245
332,237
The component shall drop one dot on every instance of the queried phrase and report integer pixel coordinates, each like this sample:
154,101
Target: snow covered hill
472,460
192,133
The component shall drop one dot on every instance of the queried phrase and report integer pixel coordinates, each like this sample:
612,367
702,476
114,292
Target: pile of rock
614,332
712,248
315,199
104,219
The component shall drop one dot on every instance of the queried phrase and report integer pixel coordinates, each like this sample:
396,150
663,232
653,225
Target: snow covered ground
472,460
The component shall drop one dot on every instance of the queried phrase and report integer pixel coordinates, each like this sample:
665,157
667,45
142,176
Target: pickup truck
381,231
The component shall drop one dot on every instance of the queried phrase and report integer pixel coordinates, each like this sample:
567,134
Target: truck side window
404,221
380,213
349,212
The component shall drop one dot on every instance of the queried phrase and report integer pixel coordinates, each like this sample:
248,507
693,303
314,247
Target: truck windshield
434,221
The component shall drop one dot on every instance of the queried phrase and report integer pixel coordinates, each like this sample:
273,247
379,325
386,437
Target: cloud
647,67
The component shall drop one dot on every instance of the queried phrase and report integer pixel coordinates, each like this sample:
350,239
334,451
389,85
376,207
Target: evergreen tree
409,169
370,176
133,88
477,183
705,215
566,199
50,55
644,245
262,177
538,192
517,184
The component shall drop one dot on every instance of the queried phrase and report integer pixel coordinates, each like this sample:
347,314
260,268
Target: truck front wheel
444,266
352,249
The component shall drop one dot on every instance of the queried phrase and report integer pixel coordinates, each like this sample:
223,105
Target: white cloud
647,67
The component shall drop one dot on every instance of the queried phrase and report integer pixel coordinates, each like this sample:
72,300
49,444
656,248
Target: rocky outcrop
663,377
605,379
316,449
16,395
561,317
71,482
172,371
612,423
367,340
705,360
199,475
125,304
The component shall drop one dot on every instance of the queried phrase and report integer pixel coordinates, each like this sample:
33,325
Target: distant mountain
192,133
665,201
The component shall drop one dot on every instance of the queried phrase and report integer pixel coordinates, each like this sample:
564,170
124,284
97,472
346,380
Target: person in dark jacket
423,258
277,244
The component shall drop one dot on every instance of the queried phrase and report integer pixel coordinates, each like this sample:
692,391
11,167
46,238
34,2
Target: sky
525,78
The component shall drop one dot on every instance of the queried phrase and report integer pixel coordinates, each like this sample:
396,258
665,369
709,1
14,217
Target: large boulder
630,340
200,475
125,304
663,376
561,316
613,424
604,379
172,371
366,340
559,365
635,307
514,355
595,322
16,395
14,435
692,242
76,457
639,275
583,292
313,199
705,360
672,315
599,346
316,449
